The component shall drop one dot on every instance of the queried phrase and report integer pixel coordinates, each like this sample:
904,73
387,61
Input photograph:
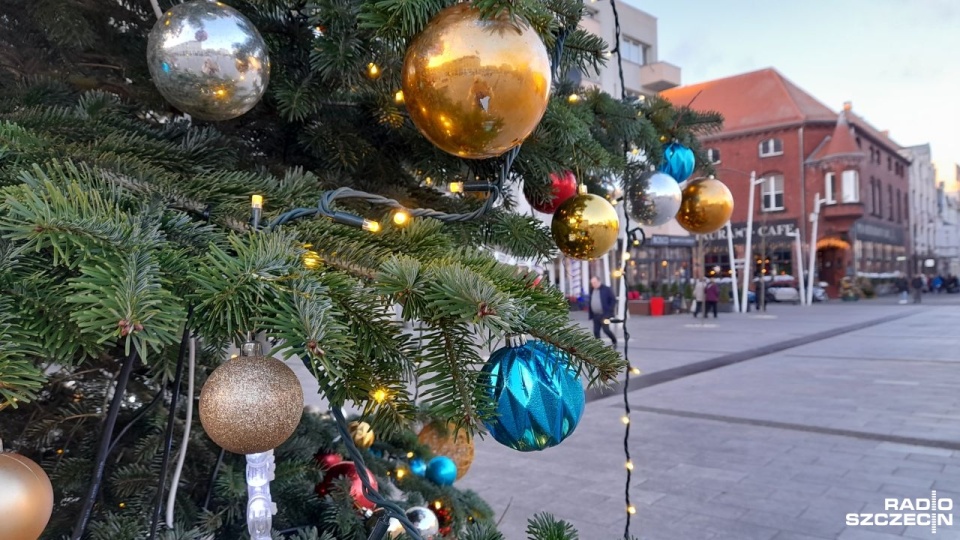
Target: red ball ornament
564,186
347,469
327,460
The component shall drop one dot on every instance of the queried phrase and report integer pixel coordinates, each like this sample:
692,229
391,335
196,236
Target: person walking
903,287
917,285
937,283
711,294
602,304
699,300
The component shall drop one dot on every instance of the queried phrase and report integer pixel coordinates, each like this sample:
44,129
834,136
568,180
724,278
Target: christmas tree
126,240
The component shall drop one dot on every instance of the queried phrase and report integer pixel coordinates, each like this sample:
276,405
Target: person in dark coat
602,304
712,295
917,286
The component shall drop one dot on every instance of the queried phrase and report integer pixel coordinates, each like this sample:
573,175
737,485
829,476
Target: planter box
638,307
725,307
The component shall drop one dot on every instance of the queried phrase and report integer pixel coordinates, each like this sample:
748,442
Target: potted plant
849,292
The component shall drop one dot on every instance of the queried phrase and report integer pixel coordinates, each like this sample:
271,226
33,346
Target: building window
771,193
829,180
890,202
632,50
851,187
906,208
713,155
899,207
771,147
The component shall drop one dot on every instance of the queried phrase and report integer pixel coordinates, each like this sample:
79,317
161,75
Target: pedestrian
761,295
699,298
711,294
937,283
602,303
917,285
903,287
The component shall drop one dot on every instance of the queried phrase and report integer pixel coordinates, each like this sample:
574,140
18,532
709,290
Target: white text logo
932,512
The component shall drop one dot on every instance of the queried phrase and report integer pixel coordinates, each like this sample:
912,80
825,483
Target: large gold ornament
362,434
706,206
441,442
585,227
26,498
476,88
252,403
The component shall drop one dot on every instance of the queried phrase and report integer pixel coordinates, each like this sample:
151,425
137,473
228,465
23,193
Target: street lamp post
748,255
798,266
733,270
815,220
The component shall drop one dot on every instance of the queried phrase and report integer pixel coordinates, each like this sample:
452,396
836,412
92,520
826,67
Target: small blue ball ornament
537,393
442,471
678,161
418,467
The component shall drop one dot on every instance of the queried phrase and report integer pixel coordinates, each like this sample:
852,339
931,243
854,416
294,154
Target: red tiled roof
841,144
873,132
755,100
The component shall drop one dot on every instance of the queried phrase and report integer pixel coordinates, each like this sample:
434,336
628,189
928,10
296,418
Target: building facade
947,248
924,198
802,150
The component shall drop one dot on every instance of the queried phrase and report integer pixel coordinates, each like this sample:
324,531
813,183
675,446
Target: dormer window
713,155
771,147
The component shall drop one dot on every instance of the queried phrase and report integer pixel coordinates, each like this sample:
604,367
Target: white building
924,197
948,231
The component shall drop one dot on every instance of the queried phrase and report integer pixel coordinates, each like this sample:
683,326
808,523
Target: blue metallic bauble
538,396
442,471
678,161
418,467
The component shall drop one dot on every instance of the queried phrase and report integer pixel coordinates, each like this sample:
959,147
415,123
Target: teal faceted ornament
442,471
418,467
678,161
537,394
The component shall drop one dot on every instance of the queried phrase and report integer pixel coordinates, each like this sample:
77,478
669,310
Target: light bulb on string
398,97
373,71
625,419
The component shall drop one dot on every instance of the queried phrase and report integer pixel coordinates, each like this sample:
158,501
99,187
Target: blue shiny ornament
442,471
418,467
376,452
537,393
678,161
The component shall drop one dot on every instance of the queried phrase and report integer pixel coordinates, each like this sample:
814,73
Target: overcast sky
898,61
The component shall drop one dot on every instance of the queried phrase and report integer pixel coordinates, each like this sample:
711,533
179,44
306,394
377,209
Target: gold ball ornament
442,442
706,206
251,404
585,227
476,88
362,434
26,498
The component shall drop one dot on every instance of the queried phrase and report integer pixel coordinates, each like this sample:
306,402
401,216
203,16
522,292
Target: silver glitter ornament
654,199
424,520
208,60
252,403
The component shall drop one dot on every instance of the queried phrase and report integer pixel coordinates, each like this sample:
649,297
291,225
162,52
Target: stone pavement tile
898,448
686,470
805,525
794,536
726,529
860,533
760,503
873,476
924,533
707,508
851,494
926,458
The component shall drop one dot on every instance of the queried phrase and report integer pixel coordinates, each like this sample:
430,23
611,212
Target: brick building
800,148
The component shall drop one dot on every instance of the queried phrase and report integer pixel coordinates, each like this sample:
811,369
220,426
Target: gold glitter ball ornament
476,88
706,206
441,442
585,227
26,498
251,404
362,434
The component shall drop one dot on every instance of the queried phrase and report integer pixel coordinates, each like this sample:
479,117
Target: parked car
783,293
819,294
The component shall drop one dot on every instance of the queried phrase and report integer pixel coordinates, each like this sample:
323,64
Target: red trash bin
656,306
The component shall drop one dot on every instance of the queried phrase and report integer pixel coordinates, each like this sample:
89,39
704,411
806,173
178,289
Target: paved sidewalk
769,446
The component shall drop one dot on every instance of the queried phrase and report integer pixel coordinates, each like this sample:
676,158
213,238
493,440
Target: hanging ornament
418,467
537,394
348,470
442,471
476,87
362,434
563,186
706,207
654,199
441,441
26,498
678,161
445,520
251,404
208,60
585,227
425,521
326,460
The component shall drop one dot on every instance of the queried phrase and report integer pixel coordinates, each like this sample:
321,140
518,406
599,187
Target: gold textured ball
441,442
26,498
706,206
476,88
585,227
362,434
251,404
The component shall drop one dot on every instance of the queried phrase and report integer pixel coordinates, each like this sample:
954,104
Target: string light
456,187
380,395
629,465
410,455
401,217
401,473
573,98
398,97
626,255
625,419
617,274
122,505
631,509
437,504
59,451
373,71
634,370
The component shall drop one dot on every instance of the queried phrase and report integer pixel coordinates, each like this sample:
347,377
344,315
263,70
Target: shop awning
826,243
